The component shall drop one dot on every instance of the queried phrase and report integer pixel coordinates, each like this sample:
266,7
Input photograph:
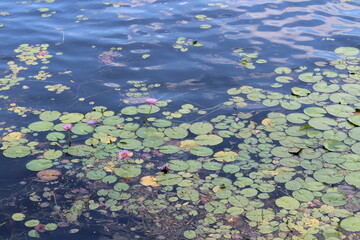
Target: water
191,49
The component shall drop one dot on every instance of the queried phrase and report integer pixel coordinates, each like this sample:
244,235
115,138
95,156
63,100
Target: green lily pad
201,128
33,233
353,179
176,132
328,175
187,194
260,215
17,151
208,140
353,89
324,87
340,110
49,116
161,123
354,133
95,174
169,179
128,171
50,226
145,109
351,224
215,207
355,119
322,123
212,166
201,151
343,98
153,142
347,51
52,154
335,146
32,223
300,91
287,203
189,234
238,201
334,198
178,165
80,150
129,110
281,70
39,164
310,77
315,111
55,136
71,117
169,149
113,120
18,217
356,148
82,129
41,126
130,144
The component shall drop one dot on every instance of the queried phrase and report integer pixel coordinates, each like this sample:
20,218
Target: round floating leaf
201,151
129,110
290,105
128,171
315,111
121,186
34,234
340,110
354,133
325,87
32,223
162,123
215,207
39,164
176,132
213,166
129,144
82,129
208,140
355,119
322,123
281,152
169,149
50,226
303,195
226,156
334,199
190,234
95,174
353,89
145,109
80,150
72,117
348,51
335,146
169,179
18,217
300,91
353,179
49,116
17,151
309,77
328,175
351,224
109,179
356,148
153,142
52,154
194,165
238,201
297,118
281,70
201,128
55,136
259,215
343,98
178,165
231,168
113,120
145,132
287,202
187,194
41,126
334,158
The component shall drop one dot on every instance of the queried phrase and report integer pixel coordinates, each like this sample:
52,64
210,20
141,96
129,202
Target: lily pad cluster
289,170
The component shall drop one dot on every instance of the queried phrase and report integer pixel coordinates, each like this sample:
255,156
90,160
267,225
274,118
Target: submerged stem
147,116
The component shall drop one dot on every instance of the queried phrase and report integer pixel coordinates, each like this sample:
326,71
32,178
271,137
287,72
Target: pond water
146,119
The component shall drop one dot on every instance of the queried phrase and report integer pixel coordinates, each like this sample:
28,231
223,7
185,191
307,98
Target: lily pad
287,203
176,132
169,179
80,150
39,164
128,171
41,126
95,174
328,175
17,151
201,128
72,117
351,224
353,179
187,194
322,123
208,140
49,116
334,198
201,151
335,145
347,51
18,217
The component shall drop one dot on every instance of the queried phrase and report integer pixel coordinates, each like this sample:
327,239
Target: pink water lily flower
67,127
165,168
125,154
151,101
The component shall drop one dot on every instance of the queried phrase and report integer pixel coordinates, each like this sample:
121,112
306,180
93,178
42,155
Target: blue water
285,33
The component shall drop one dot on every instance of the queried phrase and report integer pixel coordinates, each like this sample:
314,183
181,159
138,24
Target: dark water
81,34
